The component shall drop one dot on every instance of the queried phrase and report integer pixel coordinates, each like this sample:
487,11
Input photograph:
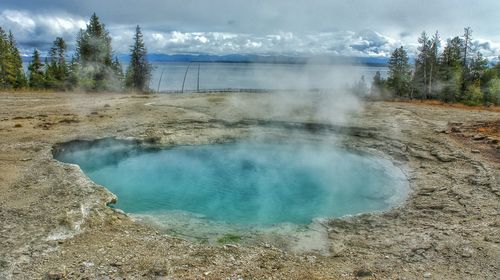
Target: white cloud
488,49
40,28
367,43
37,30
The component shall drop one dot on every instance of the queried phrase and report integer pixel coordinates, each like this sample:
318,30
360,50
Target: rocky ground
54,222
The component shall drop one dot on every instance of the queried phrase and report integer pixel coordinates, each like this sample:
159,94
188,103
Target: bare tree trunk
425,81
429,92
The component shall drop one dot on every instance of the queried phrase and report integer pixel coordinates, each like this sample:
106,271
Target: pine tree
19,78
36,73
399,80
94,55
139,70
478,66
466,50
422,65
378,85
7,70
474,93
360,88
450,70
57,71
73,73
118,69
94,43
4,60
426,65
11,65
433,63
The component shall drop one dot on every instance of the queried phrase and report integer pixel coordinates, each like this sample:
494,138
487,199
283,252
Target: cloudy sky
291,27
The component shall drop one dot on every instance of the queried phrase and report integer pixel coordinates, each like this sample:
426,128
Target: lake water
241,183
258,76
169,76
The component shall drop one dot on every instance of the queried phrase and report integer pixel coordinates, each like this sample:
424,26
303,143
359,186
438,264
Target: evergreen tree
73,73
378,85
492,92
497,66
57,71
19,78
422,65
11,65
450,70
5,67
139,70
433,64
94,43
36,74
466,58
426,65
94,55
474,94
478,66
399,80
118,69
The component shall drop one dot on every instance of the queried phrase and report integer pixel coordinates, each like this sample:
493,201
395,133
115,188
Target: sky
362,28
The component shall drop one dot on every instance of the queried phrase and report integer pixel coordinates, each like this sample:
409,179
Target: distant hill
251,58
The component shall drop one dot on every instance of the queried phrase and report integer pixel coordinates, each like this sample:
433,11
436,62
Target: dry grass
438,103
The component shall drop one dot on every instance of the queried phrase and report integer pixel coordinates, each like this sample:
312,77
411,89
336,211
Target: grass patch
228,238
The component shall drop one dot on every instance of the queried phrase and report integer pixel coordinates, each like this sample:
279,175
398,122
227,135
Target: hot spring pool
241,183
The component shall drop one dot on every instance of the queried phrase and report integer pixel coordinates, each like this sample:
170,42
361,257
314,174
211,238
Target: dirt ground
54,222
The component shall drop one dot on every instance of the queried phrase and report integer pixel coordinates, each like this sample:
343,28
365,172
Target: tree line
91,68
458,73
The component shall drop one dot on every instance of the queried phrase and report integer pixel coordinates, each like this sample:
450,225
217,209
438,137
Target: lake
169,76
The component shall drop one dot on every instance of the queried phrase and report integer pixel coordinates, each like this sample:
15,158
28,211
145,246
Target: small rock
87,264
427,275
363,272
442,157
107,105
55,275
478,137
467,252
311,259
120,211
475,151
227,246
266,245
337,249
455,129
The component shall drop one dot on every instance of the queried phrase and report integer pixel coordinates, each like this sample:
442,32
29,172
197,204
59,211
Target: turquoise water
242,183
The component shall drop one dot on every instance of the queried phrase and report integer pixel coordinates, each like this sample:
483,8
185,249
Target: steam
312,93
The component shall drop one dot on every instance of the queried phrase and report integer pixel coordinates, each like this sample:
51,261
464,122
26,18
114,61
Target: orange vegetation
434,102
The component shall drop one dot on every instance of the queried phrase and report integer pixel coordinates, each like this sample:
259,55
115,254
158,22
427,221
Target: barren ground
54,222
